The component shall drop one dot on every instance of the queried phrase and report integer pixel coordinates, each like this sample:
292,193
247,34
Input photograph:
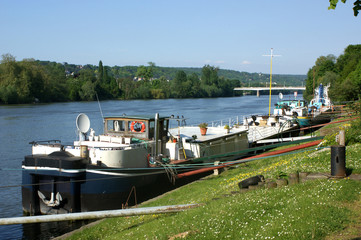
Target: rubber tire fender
251,181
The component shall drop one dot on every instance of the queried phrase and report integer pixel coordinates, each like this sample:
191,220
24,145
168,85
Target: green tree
9,72
351,87
356,8
343,73
114,88
195,82
100,73
27,77
146,73
102,84
316,73
227,87
209,75
157,93
179,86
7,58
8,94
55,88
127,87
164,85
212,91
210,81
74,87
347,62
87,92
143,90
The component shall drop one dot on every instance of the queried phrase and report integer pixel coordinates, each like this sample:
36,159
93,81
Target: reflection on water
22,124
50,230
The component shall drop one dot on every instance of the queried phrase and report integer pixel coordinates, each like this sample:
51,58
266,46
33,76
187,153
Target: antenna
270,83
100,108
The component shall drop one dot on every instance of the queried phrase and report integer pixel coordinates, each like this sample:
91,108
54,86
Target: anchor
52,202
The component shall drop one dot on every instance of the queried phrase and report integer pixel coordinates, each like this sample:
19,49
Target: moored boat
98,172
293,110
307,114
321,102
320,107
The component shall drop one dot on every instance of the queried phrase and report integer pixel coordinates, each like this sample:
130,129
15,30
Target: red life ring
137,129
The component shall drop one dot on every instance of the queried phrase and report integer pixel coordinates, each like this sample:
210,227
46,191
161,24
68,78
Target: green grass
310,210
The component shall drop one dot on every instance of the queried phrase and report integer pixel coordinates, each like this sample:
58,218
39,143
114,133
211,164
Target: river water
21,124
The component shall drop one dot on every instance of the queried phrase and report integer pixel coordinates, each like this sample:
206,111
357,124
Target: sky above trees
227,34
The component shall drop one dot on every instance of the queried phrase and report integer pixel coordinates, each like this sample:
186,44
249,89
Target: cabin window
165,125
115,125
151,126
137,126
110,125
119,126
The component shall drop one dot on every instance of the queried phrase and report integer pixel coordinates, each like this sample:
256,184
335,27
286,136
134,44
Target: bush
353,134
8,94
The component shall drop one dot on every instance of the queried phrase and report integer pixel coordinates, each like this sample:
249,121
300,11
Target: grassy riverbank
311,210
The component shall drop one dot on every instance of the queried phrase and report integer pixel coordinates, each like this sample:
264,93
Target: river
21,124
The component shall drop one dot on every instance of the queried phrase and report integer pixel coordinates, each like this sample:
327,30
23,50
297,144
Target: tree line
31,80
343,73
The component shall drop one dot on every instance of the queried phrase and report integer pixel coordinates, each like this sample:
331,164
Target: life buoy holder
135,123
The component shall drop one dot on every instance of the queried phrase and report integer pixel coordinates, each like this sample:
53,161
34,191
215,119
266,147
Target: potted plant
227,128
203,128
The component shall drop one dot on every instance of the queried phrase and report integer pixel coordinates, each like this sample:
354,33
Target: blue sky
230,34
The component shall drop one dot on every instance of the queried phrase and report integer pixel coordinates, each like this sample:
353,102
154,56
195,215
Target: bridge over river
267,88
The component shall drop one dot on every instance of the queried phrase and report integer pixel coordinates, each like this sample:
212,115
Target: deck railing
231,121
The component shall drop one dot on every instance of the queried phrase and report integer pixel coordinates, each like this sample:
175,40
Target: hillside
170,72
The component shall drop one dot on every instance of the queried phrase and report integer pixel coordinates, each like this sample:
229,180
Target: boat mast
156,133
270,83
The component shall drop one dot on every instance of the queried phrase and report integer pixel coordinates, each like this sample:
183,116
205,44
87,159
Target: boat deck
255,133
213,133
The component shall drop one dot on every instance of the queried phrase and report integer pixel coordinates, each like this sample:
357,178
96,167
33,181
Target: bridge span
267,88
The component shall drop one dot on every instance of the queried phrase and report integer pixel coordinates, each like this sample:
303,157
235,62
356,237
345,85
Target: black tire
251,181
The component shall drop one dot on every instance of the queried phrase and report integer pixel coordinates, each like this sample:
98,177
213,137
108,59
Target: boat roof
143,117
